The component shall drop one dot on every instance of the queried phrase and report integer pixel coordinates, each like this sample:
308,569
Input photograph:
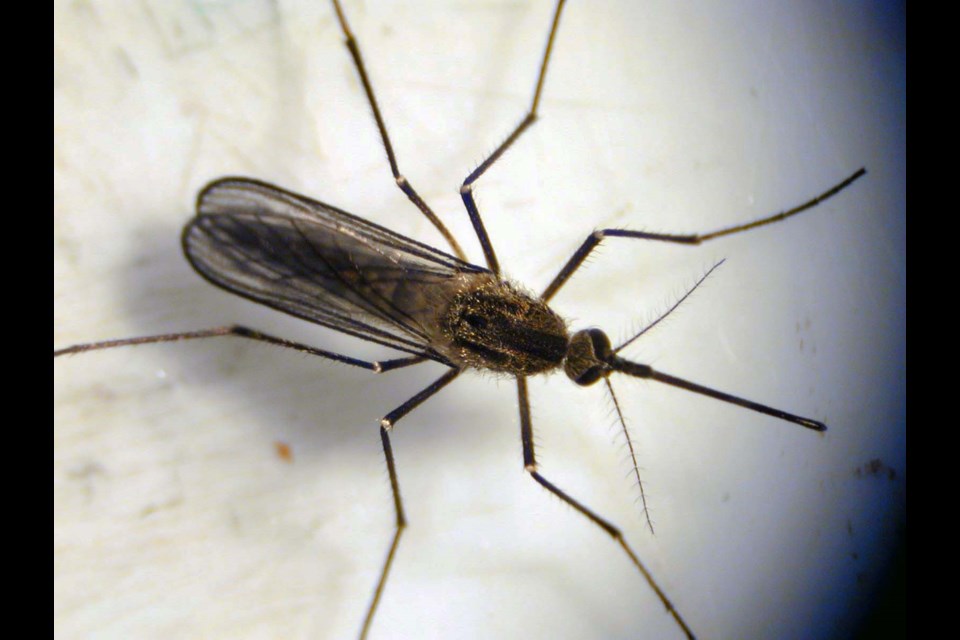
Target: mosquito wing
322,264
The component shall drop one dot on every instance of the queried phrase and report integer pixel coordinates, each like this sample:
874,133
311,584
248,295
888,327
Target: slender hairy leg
530,465
386,424
401,181
466,190
377,366
596,237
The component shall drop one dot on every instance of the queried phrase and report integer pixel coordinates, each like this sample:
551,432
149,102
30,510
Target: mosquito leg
401,181
386,424
530,465
596,237
243,332
466,190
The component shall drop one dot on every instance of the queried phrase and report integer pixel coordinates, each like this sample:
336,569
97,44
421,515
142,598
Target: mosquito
324,265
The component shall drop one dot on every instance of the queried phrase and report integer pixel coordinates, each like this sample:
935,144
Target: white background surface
175,517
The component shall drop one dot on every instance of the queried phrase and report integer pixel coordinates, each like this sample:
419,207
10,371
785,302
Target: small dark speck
284,452
850,527
877,469
725,497
85,471
854,555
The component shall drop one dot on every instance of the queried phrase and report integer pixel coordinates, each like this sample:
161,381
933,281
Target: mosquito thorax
588,357
491,324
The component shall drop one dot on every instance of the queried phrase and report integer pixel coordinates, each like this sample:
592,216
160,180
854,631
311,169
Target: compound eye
585,362
601,344
590,376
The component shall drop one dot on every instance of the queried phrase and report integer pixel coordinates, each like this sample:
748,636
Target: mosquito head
588,357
